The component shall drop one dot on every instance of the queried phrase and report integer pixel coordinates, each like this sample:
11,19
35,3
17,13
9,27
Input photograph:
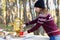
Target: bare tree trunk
20,9
47,4
33,0
57,13
24,10
31,9
18,5
4,10
56,3
31,3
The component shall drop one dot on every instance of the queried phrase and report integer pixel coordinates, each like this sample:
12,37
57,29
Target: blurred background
14,13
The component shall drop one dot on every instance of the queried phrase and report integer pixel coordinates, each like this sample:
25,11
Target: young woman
45,20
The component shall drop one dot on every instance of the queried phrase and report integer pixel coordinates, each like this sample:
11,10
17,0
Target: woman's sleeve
49,17
34,28
32,22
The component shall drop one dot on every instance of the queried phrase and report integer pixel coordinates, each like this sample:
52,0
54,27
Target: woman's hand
25,33
23,25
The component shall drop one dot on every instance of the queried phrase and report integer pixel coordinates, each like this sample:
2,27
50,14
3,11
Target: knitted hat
40,4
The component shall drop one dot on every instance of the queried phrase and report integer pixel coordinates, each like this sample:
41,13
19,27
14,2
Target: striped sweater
47,22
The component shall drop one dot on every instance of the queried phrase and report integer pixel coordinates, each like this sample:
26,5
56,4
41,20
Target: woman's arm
32,22
34,28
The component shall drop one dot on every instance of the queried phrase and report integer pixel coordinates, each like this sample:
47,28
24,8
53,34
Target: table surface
28,37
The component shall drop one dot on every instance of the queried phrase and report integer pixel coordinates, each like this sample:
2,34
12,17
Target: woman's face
38,10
